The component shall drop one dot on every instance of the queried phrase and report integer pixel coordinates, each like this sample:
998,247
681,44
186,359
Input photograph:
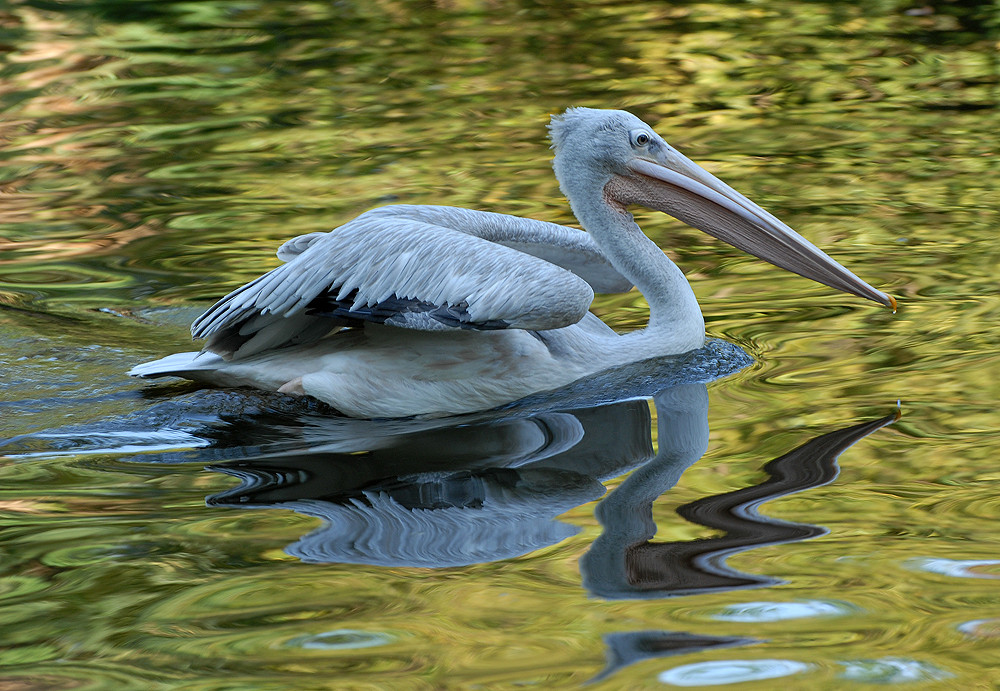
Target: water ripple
981,628
957,568
780,611
341,639
719,672
892,670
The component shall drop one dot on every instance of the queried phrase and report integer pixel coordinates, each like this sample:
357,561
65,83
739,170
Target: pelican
435,310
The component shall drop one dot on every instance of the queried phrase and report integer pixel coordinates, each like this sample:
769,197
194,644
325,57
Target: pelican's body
379,372
431,310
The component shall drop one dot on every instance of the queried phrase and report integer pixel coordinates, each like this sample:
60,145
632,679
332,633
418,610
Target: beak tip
891,303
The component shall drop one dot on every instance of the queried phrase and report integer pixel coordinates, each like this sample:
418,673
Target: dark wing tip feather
394,307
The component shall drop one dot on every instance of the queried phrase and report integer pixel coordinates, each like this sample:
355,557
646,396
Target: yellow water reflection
154,156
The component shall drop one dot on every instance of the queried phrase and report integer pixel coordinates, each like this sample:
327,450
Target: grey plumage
463,268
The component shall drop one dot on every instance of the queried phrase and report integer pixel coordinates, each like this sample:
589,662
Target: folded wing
417,267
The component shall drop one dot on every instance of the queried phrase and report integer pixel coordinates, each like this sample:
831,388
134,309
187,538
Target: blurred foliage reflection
156,153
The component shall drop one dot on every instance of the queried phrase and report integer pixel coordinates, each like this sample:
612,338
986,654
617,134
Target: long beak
691,194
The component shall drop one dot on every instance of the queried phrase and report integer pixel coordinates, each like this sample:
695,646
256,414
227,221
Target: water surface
172,537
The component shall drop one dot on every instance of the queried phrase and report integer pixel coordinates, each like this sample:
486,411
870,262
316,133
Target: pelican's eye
640,137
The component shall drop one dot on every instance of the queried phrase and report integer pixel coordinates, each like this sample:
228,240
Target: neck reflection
624,561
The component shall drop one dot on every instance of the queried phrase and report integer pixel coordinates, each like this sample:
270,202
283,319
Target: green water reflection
155,154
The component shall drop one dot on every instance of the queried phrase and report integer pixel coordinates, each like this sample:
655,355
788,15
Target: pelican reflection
624,561
448,496
492,487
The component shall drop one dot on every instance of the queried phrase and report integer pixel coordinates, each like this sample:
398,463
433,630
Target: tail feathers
178,365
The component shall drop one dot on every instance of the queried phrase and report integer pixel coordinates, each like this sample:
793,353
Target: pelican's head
612,159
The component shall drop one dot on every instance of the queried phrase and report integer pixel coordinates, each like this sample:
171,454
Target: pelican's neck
675,321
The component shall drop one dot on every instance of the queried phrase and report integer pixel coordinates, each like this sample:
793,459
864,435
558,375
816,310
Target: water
155,155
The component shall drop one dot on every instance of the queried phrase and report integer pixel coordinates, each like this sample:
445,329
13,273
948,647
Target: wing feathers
398,260
572,249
